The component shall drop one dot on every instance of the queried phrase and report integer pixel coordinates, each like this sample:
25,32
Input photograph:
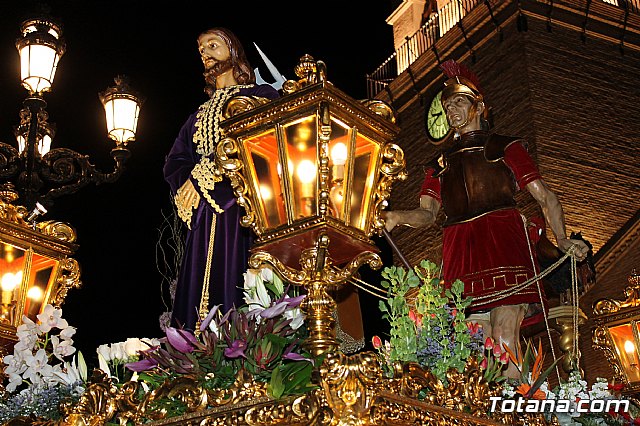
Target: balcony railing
438,24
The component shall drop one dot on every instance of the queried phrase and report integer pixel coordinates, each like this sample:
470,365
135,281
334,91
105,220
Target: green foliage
432,331
396,310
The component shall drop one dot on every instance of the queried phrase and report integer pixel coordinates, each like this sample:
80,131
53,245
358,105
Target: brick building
562,74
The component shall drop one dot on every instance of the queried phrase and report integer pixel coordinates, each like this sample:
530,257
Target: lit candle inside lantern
339,158
307,174
8,284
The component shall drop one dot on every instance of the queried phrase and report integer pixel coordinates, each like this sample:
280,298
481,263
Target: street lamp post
36,267
42,173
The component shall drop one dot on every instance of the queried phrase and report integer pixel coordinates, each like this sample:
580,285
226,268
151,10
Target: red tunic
490,253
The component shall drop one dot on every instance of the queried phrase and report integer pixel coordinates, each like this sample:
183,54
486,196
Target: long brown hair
242,71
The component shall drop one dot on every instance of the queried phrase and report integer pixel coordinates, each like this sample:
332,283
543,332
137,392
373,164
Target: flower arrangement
113,357
262,338
431,330
40,372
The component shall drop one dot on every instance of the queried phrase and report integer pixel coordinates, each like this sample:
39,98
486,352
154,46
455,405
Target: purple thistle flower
236,349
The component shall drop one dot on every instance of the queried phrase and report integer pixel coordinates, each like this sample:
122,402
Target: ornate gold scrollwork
632,291
97,405
239,104
350,384
226,150
602,341
393,168
381,108
68,278
58,230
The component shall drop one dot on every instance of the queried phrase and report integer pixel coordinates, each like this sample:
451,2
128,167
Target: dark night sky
154,44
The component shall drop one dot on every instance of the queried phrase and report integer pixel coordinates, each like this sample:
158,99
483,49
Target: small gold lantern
35,267
313,170
617,333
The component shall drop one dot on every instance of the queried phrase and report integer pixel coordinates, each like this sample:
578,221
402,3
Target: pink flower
483,363
377,342
504,358
415,318
488,343
496,351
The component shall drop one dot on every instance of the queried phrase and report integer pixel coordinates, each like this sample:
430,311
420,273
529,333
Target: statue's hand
188,195
391,219
581,250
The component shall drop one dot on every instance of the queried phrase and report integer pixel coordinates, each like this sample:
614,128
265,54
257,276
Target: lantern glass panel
122,118
266,178
42,275
12,260
365,158
338,156
300,142
626,349
38,65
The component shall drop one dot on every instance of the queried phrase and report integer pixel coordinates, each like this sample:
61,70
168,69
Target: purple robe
231,240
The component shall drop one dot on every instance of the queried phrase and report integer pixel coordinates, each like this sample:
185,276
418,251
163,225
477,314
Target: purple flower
208,318
297,357
294,302
236,349
183,340
274,311
142,365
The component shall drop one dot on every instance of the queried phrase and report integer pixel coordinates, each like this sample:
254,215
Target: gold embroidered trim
185,211
206,137
204,300
207,174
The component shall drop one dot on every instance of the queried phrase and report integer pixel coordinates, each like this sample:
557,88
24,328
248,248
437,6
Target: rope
362,284
506,293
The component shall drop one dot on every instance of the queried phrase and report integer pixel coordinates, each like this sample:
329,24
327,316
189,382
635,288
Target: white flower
62,348
67,333
213,326
132,345
255,294
38,367
14,381
103,364
68,374
27,332
51,318
149,343
105,352
296,317
118,352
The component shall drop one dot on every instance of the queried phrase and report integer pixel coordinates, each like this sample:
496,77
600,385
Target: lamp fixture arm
68,171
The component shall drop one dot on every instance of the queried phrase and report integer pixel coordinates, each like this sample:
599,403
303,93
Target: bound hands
581,249
188,196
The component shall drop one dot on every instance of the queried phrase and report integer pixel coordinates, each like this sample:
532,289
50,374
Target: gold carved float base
352,390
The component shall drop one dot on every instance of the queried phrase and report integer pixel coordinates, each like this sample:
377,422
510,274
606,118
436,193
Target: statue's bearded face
214,53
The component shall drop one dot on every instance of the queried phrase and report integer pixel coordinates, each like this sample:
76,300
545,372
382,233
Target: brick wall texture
576,103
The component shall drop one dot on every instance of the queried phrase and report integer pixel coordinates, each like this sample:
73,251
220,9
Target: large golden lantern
35,265
617,333
313,171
